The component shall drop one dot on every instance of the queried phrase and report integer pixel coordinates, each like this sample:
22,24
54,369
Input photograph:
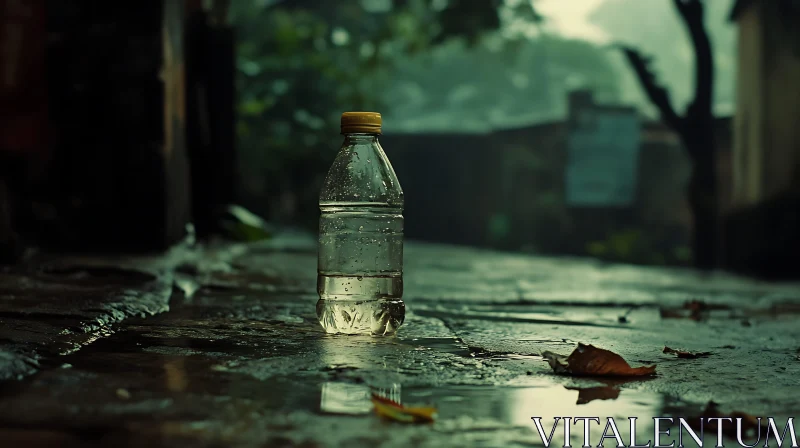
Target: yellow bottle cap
361,122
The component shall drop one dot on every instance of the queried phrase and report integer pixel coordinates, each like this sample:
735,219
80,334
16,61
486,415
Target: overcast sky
653,26
570,18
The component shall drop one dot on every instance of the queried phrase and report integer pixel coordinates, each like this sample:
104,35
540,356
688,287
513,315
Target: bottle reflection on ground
353,399
355,359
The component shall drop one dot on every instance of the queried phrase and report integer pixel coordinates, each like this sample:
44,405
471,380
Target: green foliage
637,246
297,73
302,62
240,224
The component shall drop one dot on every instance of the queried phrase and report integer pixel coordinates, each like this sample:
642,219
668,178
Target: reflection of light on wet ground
354,352
557,401
493,408
514,406
450,345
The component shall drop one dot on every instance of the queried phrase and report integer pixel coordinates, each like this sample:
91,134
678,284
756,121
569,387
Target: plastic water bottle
360,264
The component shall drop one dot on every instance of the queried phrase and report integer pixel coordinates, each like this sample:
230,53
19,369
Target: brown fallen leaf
750,424
686,354
587,360
391,410
666,313
693,309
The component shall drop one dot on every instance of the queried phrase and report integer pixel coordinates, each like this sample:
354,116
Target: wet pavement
221,347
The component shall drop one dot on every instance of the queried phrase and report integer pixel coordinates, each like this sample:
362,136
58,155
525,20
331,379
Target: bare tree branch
692,13
657,94
695,129
689,8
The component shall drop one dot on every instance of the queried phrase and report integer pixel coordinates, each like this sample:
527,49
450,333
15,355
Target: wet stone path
220,347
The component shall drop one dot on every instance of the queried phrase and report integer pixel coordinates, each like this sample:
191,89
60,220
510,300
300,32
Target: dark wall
446,179
119,176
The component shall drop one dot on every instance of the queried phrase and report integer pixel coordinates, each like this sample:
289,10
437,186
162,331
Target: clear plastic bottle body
360,264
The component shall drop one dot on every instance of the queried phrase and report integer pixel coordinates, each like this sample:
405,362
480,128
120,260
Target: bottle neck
360,139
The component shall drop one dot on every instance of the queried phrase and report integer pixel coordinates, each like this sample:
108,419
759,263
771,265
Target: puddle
510,407
516,405
454,346
513,357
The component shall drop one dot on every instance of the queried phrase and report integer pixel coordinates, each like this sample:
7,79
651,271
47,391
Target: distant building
551,187
763,222
767,137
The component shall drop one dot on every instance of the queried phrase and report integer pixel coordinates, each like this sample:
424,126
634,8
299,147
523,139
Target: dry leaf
391,410
693,309
672,314
587,360
685,354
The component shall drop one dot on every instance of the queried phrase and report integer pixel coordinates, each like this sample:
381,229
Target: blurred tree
303,62
652,27
501,82
695,129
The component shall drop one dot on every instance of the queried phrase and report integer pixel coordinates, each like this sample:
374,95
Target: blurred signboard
602,164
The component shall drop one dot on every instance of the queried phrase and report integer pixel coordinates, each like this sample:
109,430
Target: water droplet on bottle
359,278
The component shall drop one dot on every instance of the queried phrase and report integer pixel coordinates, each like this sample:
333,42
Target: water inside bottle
360,304
360,278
